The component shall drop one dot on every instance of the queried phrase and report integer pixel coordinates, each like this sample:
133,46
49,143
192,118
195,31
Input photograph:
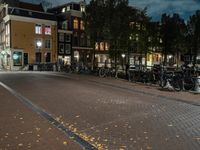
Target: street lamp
123,56
39,44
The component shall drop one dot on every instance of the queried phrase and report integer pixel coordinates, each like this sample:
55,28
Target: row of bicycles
74,69
182,79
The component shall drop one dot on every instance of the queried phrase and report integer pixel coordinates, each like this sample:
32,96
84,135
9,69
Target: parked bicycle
171,81
108,72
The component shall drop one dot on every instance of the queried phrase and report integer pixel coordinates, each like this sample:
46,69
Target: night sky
154,7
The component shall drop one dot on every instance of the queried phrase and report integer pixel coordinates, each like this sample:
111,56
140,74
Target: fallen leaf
65,142
20,144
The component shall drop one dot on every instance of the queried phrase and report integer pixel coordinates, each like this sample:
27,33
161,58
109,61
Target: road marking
86,145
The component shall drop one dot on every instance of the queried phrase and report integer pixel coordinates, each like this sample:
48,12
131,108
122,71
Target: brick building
28,35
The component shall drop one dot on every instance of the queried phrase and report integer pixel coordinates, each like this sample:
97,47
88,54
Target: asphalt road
106,113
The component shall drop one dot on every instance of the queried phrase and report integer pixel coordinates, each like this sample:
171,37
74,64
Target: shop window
17,58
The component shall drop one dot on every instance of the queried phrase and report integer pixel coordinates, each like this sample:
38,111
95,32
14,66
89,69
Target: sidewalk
20,128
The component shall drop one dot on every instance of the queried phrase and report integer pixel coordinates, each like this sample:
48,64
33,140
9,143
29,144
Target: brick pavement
151,90
118,114
22,129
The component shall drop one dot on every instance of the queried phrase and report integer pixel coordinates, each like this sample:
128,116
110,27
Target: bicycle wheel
102,72
176,85
188,84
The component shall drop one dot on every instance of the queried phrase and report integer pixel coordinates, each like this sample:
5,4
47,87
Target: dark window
64,25
61,48
38,57
67,37
48,57
76,7
82,40
75,40
67,48
47,44
61,37
25,58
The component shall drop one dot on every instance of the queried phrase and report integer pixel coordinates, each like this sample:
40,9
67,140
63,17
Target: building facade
73,43
28,35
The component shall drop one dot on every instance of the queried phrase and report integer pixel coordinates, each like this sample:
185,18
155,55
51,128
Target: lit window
38,29
68,8
106,46
64,9
48,44
67,48
82,25
102,46
47,30
61,48
75,24
96,46
82,8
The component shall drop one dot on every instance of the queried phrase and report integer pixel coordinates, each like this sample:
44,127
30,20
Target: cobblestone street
103,112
